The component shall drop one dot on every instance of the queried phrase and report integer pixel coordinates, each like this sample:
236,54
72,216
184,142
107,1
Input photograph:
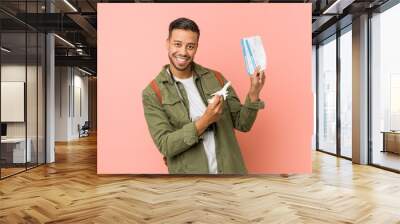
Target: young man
193,136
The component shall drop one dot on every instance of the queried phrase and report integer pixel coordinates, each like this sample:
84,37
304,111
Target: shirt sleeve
169,140
243,115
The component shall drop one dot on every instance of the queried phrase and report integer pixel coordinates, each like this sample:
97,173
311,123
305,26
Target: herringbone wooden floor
69,191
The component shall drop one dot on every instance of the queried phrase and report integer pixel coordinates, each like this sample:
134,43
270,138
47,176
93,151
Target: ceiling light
331,7
64,40
70,5
5,50
337,7
84,71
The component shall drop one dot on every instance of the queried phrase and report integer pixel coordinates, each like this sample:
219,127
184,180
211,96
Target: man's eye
177,44
190,47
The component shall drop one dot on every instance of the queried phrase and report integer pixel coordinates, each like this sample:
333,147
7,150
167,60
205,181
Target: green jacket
175,135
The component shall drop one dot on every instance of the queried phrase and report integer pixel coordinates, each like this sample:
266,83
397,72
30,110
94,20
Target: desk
15,148
391,141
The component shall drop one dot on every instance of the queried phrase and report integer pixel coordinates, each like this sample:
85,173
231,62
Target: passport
253,53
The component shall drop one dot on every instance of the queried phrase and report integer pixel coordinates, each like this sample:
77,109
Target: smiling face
182,46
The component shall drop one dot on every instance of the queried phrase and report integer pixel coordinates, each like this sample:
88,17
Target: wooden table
391,141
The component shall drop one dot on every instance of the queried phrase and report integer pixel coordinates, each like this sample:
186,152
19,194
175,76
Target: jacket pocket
175,111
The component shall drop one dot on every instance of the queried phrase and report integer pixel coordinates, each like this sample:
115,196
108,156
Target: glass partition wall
22,88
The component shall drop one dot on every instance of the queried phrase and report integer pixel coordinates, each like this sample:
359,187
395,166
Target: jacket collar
165,76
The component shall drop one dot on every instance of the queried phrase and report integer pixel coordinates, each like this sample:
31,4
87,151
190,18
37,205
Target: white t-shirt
197,108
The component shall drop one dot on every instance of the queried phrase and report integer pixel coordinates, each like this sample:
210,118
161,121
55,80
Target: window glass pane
386,88
346,94
327,96
314,75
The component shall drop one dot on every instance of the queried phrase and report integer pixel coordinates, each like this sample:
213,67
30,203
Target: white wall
81,84
12,73
62,81
71,93
17,73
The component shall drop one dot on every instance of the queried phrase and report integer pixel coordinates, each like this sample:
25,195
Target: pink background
131,52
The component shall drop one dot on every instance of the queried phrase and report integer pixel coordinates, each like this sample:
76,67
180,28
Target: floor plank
70,191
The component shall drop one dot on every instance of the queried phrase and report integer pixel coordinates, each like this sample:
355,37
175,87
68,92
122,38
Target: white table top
13,140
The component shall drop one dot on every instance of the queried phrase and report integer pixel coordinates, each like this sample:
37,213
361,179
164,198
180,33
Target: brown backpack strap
219,78
156,90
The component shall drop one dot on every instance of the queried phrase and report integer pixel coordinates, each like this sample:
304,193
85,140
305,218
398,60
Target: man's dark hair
184,24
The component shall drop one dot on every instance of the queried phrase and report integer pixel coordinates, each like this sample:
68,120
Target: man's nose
183,51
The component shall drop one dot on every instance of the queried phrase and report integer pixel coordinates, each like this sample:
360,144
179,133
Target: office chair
84,130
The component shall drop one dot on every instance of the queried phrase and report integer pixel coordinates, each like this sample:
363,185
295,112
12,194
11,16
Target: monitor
3,129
